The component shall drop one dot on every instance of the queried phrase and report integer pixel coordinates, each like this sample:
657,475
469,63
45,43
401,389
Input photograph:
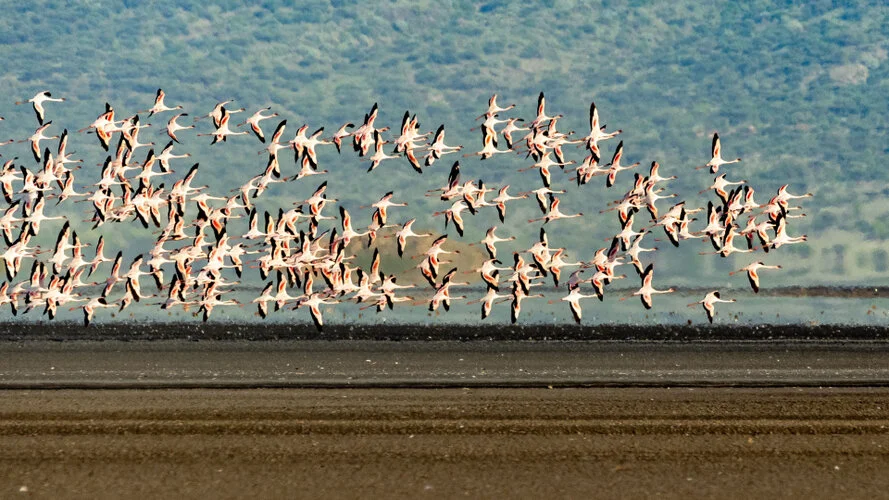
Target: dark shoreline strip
431,385
68,331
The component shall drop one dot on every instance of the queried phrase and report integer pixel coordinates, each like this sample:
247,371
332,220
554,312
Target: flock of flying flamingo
194,257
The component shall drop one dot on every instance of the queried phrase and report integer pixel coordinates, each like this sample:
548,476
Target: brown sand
481,443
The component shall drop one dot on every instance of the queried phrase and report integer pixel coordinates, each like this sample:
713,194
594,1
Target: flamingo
488,301
409,135
754,230
77,261
728,246
752,271
313,302
554,212
442,295
379,155
544,197
492,239
544,164
719,185
59,257
557,140
489,149
341,134
518,295
102,126
35,139
493,108
365,136
130,136
167,155
36,216
654,173
175,296
217,112
709,302
100,256
540,252
406,232
597,132
159,106
510,129
634,251
783,196
8,176
573,300
488,126
62,156
434,252
37,102
474,195
614,167
89,309
15,252
541,113
305,170
222,130
502,198
589,168
11,299
348,232
209,302
647,290
438,148
173,126
264,298
275,143
716,160
428,271
454,214
489,272
8,219
254,120
383,205
318,200
626,233
652,196
311,142
781,237
556,263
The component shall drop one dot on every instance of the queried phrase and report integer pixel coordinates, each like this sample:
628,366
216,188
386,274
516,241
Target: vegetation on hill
798,90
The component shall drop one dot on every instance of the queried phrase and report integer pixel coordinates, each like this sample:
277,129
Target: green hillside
798,91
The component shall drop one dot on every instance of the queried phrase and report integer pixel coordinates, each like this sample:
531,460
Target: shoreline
274,331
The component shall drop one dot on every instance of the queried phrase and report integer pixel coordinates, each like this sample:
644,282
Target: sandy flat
408,443
381,364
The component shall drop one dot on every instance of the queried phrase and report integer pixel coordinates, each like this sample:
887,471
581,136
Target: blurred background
800,92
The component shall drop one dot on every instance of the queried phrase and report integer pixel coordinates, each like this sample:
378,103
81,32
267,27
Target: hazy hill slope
799,91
